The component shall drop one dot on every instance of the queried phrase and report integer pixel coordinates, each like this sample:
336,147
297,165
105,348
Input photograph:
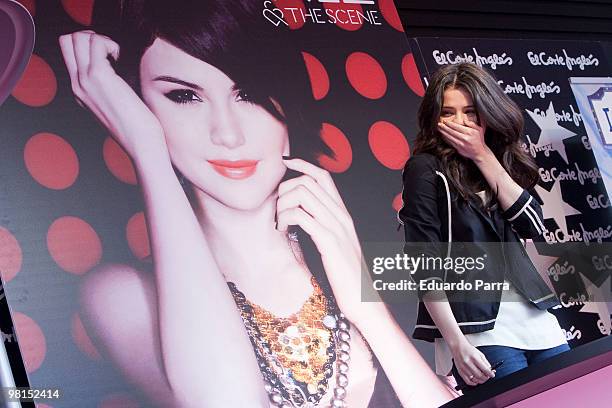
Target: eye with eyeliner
470,112
188,96
243,96
183,96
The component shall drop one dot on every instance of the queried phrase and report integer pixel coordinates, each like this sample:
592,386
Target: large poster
93,209
577,212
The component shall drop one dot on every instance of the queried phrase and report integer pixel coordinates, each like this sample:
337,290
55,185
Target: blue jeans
514,359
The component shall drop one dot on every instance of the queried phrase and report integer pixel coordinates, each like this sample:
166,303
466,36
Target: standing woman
209,101
469,181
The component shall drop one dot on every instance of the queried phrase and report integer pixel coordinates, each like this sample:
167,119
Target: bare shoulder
112,283
119,310
116,300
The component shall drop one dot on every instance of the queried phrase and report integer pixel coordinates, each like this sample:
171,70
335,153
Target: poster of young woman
184,189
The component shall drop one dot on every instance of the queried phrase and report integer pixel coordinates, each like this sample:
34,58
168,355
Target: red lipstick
234,169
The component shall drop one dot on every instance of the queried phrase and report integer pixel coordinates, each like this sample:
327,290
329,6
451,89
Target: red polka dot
389,12
319,80
81,11
32,341
119,401
82,340
397,202
340,146
51,161
346,16
118,161
292,17
138,237
37,86
411,75
74,245
389,145
30,5
366,75
11,256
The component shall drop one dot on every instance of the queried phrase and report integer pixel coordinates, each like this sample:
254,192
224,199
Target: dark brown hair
504,128
263,60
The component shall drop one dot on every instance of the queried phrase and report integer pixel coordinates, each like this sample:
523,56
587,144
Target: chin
245,201
244,197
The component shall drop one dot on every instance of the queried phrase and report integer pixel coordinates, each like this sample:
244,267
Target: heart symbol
15,53
275,16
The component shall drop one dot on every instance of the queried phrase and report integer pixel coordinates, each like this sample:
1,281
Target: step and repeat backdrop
577,209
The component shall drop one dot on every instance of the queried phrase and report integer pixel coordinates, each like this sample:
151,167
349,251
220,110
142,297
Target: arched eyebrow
465,107
166,78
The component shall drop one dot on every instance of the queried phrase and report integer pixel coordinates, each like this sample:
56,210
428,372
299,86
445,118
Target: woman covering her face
470,185
208,102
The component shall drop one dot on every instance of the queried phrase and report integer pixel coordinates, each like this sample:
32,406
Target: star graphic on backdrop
601,304
551,133
555,207
541,262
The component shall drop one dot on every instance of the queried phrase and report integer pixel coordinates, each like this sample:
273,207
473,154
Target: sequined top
274,330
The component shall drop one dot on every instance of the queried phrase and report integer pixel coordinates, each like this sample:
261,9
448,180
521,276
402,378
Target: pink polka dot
389,145
340,146
319,80
11,256
292,17
137,236
81,11
345,16
119,400
51,161
411,75
118,161
82,340
37,86
389,13
41,405
366,75
32,341
74,245
397,202
30,5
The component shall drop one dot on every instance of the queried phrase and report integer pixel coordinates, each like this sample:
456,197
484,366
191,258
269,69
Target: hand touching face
459,124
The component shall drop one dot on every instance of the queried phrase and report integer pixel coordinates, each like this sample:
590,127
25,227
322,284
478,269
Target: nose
459,117
226,129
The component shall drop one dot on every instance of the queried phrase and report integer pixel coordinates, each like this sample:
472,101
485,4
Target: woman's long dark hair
504,129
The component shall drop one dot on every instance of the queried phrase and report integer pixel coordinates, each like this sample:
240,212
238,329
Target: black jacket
429,198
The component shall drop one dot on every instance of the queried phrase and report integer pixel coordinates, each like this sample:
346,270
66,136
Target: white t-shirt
519,324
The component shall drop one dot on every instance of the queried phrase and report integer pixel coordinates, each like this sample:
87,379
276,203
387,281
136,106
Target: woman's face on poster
227,146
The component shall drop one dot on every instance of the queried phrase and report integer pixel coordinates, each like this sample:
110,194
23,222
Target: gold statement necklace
299,341
296,354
